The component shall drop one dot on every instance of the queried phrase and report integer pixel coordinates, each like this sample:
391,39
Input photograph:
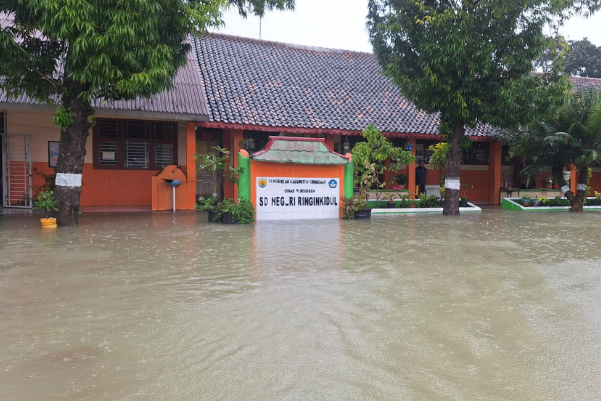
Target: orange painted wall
268,169
109,187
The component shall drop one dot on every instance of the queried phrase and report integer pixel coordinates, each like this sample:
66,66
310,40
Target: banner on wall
280,198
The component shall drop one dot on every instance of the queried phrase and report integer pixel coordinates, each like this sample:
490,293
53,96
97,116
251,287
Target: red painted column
330,141
573,178
228,137
494,171
411,171
190,165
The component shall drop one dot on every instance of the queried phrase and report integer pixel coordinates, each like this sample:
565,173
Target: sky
340,24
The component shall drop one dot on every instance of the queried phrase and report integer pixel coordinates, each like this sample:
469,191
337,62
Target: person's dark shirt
420,175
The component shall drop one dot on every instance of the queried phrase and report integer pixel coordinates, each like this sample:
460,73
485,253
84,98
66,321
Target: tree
468,61
219,166
377,150
583,59
71,52
569,135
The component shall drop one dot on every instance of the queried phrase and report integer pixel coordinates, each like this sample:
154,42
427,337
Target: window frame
121,139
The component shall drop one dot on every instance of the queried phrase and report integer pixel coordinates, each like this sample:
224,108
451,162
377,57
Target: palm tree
570,135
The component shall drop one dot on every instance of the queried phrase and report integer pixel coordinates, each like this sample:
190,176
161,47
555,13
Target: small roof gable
307,151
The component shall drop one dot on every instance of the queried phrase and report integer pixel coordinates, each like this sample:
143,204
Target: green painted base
513,205
391,211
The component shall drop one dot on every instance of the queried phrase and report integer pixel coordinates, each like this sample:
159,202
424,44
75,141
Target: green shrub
227,205
244,212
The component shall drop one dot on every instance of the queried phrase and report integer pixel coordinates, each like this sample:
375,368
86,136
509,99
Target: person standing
421,173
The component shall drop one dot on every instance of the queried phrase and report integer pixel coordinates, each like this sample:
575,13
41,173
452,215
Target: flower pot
402,186
48,223
526,203
412,206
228,218
463,204
391,204
211,215
555,186
363,214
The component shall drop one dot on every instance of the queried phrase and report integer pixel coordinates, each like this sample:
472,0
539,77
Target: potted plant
244,213
391,197
46,202
526,200
413,204
354,208
463,202
401,180
404,201
208,204
225,211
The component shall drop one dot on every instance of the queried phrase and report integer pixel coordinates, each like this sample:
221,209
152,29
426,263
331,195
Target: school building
231,89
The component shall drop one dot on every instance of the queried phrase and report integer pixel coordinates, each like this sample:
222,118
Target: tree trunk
69,168
576,200
453,171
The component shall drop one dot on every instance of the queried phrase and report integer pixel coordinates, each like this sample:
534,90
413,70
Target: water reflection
498,305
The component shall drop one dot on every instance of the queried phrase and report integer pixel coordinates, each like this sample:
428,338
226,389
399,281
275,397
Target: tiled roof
581,83
264,83
270,84
310,151
186,99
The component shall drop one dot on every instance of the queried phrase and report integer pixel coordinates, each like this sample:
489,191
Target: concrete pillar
190,165
411,171
244,177
330,140
228,141
349,180
573,178
494,171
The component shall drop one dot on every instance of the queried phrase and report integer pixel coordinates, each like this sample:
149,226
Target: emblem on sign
333,183
262,183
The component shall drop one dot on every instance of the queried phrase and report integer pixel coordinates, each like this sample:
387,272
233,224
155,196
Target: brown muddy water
498,305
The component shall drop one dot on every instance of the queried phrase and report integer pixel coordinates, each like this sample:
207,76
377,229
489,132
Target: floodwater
497,305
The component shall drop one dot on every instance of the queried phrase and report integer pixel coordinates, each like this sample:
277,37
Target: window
134,144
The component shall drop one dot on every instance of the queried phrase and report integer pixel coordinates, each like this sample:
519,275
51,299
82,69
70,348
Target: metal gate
18,175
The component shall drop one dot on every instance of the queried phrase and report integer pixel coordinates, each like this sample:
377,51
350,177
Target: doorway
206,139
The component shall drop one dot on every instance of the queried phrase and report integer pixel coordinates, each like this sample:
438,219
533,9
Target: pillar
573,179
411,171
349,179
495,171
244,177
330,139
190,165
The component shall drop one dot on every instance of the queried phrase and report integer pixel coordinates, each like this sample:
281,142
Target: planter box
515,204
364,214
382,211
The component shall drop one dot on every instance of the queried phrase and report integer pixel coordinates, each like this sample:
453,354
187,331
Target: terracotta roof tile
272,84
